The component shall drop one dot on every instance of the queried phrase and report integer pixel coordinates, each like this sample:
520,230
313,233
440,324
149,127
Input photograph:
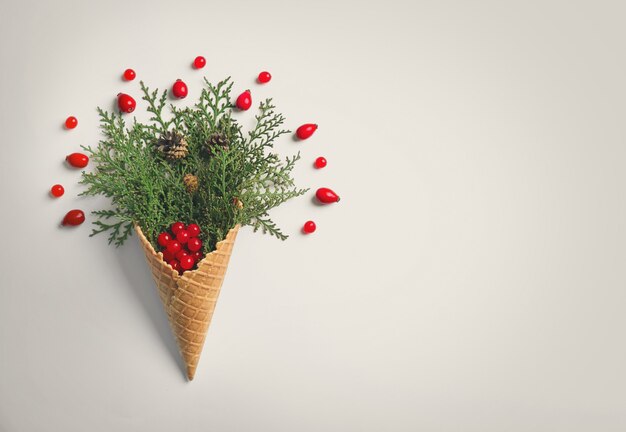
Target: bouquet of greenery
194,168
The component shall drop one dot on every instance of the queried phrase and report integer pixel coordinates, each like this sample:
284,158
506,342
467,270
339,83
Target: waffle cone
189,300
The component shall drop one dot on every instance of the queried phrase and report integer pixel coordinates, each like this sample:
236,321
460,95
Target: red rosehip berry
77,160
182,236
173,247
320,162
71,122
57,190
326,196
179,89
306,130
163,239
126,103
244,101
176,266
74,217
199,62
129,74
264,77
177,226
309,227
187,262
168,256
194,244
181,254
193,230
197,256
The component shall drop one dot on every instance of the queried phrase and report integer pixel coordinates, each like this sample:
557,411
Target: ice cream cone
189,300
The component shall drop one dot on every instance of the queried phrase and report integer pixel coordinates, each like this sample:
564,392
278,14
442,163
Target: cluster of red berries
181,247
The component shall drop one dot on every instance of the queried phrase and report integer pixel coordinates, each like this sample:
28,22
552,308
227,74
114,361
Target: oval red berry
194,244
264,77
164,239
320,162
129,74
57,190
244,101
74,217
71,122
177,226
193,230
179,89
187,262
306,130
77,160
309,227
326,196
199,62
174,247
126,103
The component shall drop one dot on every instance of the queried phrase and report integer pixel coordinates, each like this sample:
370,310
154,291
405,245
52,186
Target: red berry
74,217
194,244
176,266
181,254
320,162
197,256
168,256
173,247
199,62
326,196
187,262
244,101
309,227
126,103
193,230
179,89
182,236
77,160
163,239
71,122
177,226
57,190
306,130
129,74
264,77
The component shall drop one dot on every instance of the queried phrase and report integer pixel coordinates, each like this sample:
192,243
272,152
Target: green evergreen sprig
238,183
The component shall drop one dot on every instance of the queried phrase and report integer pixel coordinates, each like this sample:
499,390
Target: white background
471,279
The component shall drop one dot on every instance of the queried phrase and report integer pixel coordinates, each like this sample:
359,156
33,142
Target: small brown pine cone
173,145
216,141
191,183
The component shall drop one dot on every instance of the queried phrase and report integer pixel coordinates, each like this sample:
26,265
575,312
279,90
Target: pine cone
191,183
217,141
173,145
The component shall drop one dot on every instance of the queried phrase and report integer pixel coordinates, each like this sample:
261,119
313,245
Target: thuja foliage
239,178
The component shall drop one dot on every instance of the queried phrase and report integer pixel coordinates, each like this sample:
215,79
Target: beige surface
189,299
471,279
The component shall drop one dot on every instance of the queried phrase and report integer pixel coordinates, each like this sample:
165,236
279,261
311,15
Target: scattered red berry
74,217
129,74
309,227
77,160
197,256
306,130
264,77
177,226
164,239
194,244
187,262
174,247
326,196
126,103
182,236
193,230
199,62
57,190
71,122
244,101
179,89
320,162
